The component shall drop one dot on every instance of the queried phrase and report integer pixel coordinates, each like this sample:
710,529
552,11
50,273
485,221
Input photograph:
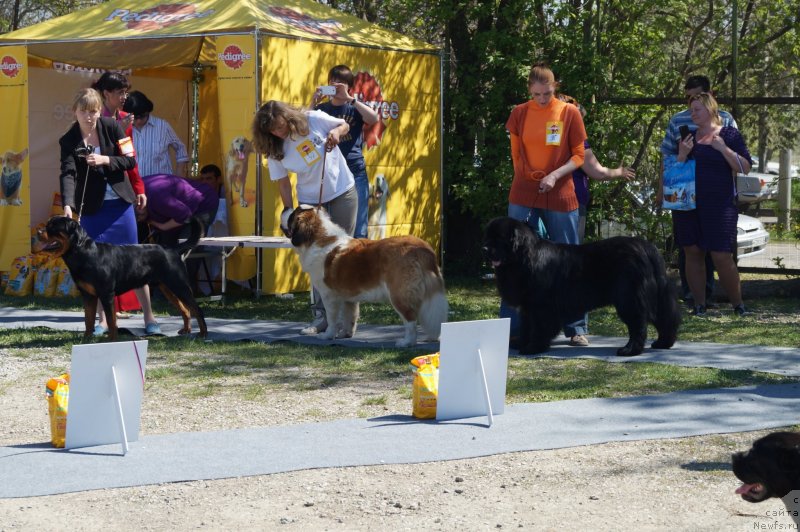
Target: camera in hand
83,151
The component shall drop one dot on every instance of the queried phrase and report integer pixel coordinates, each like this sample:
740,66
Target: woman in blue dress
719,154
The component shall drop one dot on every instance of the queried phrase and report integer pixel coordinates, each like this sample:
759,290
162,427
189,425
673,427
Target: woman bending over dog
303,142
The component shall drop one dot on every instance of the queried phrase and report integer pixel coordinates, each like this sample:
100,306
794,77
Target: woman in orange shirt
547,145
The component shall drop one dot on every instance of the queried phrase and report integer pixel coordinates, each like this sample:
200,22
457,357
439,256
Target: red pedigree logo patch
368,90
10,67
234,57
301,21
157,17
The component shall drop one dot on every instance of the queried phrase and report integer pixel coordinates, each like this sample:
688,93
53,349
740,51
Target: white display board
105,394
473,366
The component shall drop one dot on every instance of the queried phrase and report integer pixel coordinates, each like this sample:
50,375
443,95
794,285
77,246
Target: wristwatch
353,101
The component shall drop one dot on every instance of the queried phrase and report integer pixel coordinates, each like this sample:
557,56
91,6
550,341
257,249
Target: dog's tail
434,308
198,232
668,316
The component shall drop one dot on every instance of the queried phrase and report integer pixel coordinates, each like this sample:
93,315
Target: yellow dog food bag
20,278
65,286
425,388
57,390
46,279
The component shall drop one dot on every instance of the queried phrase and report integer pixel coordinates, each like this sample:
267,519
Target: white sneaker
319,325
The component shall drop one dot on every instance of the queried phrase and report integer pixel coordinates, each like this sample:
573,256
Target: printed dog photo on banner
11,178
378,200
236,166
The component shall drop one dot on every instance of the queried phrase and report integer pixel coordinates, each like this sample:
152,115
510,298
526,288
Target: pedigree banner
236,83
15,210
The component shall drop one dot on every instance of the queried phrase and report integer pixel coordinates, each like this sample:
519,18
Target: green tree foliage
15,14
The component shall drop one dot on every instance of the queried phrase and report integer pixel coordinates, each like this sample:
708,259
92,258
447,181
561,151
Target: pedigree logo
10,67
157,17
368,90
301,21
234,57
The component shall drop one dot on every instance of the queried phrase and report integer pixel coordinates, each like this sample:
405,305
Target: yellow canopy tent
208,65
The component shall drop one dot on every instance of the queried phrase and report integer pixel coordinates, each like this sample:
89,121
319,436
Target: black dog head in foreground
553,284
771,468
101,271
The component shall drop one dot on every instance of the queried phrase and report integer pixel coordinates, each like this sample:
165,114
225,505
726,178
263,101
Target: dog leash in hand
90,148
322,177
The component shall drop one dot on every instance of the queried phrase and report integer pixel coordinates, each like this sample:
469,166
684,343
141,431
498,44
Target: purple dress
712,225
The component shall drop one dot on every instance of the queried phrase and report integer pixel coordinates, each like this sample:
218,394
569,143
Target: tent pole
259,199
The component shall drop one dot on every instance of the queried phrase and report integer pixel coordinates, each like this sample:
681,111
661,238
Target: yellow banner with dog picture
15,209
236,79
402,151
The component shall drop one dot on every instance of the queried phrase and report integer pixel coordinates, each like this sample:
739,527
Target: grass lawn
773,322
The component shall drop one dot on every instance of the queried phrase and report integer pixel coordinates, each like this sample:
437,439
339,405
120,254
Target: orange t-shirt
548,137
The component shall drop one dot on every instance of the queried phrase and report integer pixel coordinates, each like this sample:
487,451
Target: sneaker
99,330
739,310
578,340
152,328
699,310
319,325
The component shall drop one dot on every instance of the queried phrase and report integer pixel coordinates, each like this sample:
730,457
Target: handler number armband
126,147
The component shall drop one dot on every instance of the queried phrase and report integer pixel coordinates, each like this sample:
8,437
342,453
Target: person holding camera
95,157
306,143
357,114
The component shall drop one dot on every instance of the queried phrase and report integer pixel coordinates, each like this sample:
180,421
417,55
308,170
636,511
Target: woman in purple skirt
719,154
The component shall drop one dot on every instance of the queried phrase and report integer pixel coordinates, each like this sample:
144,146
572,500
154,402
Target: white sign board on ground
473,364
105,393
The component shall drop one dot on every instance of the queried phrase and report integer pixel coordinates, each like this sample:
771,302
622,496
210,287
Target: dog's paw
660,344
327,334
242,202
628,351
16,202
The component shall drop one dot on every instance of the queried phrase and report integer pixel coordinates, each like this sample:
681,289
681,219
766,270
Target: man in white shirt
152,138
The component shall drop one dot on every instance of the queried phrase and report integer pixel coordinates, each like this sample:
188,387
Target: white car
756,187
751,237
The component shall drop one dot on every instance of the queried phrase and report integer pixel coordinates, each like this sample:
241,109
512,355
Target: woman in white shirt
295,140
302,142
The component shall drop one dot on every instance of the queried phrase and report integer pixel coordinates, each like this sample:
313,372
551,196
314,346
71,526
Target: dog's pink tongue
240,154
746,488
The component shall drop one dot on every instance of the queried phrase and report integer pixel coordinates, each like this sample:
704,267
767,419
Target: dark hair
211,169
694,82
111,81
138,104
343,74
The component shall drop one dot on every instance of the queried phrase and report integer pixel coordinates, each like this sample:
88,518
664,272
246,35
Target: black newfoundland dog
550,283
771,468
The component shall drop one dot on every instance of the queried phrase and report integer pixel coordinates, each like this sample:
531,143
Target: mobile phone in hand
328,90
684,131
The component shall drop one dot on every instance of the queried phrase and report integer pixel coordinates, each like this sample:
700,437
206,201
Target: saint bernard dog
400,270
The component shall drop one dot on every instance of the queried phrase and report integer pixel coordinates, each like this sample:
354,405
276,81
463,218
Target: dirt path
682,484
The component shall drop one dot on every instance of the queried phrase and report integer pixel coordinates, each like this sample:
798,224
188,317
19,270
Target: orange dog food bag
425,388
57,390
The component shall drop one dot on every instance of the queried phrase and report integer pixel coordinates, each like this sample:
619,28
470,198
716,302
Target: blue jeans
561,228
362,189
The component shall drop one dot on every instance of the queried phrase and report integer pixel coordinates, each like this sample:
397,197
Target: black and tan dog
101,271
